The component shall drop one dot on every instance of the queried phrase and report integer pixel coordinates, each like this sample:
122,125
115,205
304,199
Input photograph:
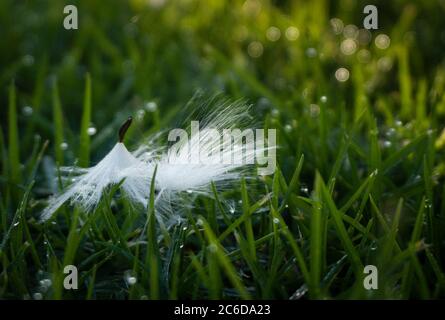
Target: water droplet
398,123
342,74
189,191
37,296
348,46
140,114
273,33
213,247
184,228
374,173
299,293
130,278
64,146
350,31
311,52
364,56
151,106
314,110
255,49
275,112
91,131
46,282
387,143
28,60
200,222
276,220
390,132
27,111
181,246
384,64
292,33
382,41
323,99
304,189
16,223
288,128
364,36
337,25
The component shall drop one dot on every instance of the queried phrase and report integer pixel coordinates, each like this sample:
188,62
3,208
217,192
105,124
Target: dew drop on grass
16,223
292,33
212,247
387,144
151,106
181,246
91,131
273,33
27,111
28,60
311,52
348,47
37,296
140,114
46,282
337,25
299,293
350,31
130,278
314,110
304,189
323,99
342,74
390,132
276,220
255,49
288,128
382,41
64,146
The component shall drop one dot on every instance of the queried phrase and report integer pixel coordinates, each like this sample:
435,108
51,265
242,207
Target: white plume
180,169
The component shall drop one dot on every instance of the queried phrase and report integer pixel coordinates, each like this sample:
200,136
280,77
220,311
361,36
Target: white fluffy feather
176,175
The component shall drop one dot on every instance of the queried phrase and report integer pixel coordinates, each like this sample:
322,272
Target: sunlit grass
360,165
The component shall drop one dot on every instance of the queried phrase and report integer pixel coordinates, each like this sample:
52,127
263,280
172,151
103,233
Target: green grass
360,167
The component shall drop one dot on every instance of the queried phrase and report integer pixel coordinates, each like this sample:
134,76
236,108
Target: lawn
360,122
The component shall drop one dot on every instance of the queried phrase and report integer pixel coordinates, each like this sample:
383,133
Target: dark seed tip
124,129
